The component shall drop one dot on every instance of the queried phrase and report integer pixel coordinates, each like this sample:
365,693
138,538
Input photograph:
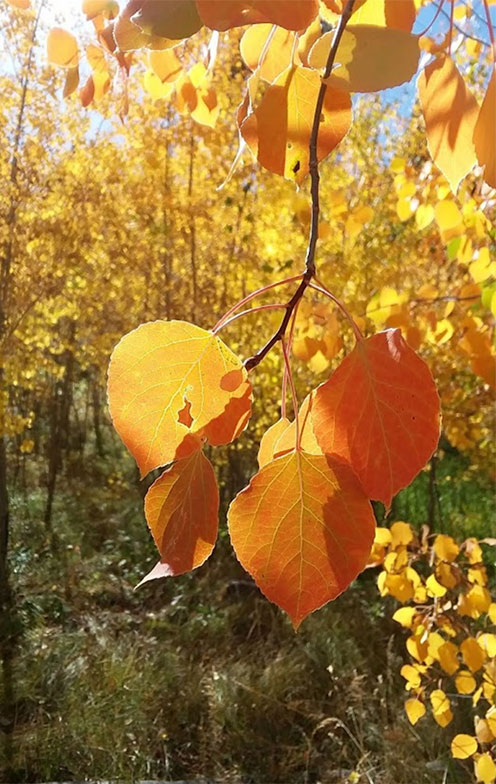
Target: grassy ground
201,676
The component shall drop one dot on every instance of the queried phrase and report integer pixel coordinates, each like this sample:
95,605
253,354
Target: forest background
108,222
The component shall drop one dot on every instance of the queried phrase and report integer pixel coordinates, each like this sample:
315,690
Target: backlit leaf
278,54
278,131
380,412
370,58
398,14
235,13
182,511
128,36
172,19
62,48
165,65
450,112
171,385
307,547
270,438
485,133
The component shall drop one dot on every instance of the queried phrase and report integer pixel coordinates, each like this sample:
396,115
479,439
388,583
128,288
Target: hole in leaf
184,415
296,167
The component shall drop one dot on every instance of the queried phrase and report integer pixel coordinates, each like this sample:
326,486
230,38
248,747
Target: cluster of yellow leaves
450,616
286,50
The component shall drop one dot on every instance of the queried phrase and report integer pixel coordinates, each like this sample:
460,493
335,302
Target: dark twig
313,166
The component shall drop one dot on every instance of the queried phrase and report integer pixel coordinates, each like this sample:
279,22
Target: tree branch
313,166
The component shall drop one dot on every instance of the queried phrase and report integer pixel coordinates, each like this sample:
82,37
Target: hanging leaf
269,441
380,412
165,65
397,14
173,19
129,37
71,81
278,131
450,113
485,133
182,512
235,13
93,8
62,48
277,55
307,547
370,58
170,385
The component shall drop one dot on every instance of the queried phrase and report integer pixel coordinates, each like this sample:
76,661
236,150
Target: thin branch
293,393
313,166
342,308
251,296
285,374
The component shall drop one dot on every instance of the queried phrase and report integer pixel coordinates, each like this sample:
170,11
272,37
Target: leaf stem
246,313
285,374
287,364
251,296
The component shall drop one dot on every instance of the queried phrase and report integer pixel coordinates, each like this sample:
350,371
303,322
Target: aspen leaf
62,48
447,654
379,400
155,87
22,5
277,56
93,8
485,133
268,444
369,58
463,746
440,702
483,731
411,675
165,65
235,13
129,37
278,131
473,654
160,369
450,113
424,216
445,548
307,548
401,534
71,81
448,216
172,19
414,710
182,510
465,682
399,14
405,616
485,768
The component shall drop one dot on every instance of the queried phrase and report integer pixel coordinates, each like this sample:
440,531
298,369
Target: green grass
201,676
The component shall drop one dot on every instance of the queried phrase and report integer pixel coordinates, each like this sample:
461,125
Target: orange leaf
173,19
370,58
306,548
160,368
278,131
62,48
450,113
287,441
485,133
22,5
182,512
380,412
235,13
278,55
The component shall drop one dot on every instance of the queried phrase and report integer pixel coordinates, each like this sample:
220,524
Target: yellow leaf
465,682
488,644
414,710
463,746
473,550
440,702
475,602
424,216
485,769
411,675
434,588
401,534
404,209
443,719
448,216
369,58
62,48
472,653
483,731
491,611
405,616
485,133
278,131
481,269
450,112
445,548
448,657
384,537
